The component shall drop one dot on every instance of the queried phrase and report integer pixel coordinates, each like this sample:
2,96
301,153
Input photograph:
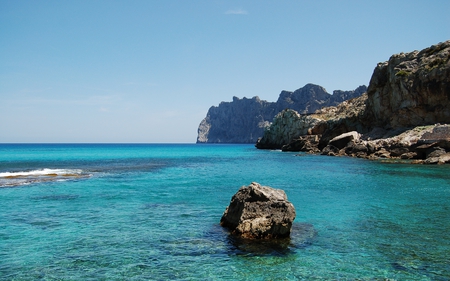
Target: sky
94,71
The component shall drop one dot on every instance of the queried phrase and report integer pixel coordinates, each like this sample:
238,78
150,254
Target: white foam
42,172
10,179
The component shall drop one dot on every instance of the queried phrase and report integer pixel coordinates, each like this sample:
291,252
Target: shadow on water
302,235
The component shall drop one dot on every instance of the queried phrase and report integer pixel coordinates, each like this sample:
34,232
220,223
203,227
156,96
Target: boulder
341,141
435,152
356,149
444,158
259,212
330,150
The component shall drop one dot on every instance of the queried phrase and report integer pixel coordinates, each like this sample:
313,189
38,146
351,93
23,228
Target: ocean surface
152,212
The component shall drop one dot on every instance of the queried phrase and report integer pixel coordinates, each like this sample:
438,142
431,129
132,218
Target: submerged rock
259,212
302,236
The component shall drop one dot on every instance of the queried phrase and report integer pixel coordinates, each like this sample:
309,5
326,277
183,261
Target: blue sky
148,71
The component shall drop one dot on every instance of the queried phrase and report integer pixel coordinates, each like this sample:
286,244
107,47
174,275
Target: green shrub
403,73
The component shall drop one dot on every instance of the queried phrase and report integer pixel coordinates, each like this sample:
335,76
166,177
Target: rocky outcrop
239,121
289,130
411,89
244,120
286,125
312,97
400,117
307,143
423,144
259,212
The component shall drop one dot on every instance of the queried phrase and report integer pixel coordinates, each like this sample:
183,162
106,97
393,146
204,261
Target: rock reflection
302,236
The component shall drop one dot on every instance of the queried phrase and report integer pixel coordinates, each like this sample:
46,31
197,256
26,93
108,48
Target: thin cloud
236,12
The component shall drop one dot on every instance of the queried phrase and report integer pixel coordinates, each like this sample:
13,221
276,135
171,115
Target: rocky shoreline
421,145
403,115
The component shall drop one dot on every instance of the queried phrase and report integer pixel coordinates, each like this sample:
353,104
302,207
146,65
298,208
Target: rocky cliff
286,126
408,96
239,121
411,89
244,120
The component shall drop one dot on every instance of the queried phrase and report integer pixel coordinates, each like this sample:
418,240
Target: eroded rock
341,141
411,89
259,212
286,126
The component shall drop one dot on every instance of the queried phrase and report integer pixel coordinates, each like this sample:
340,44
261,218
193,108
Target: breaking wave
9,179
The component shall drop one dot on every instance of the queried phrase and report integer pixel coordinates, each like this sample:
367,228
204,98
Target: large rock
244,120
259,212
342,140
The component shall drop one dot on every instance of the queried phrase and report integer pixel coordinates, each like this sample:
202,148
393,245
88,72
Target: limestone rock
239,121
286,126
356,149
308,143
345,117
330,150
411,89
342,140
259,212
244,120
399,117
313,97
444,158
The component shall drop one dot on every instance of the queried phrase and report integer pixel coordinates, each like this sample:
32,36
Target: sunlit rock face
411,89
286,126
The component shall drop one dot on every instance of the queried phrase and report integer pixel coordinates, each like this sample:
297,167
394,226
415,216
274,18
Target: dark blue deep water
152,212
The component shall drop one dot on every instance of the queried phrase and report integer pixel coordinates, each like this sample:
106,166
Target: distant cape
243,120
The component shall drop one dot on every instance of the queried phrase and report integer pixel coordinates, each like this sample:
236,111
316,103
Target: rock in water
259,212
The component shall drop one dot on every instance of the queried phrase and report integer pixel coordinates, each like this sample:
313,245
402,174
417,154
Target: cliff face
239,121
327,123
313,97
286,125
408,96
244,120
411,89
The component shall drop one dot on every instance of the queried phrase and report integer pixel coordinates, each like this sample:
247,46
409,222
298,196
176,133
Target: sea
152,212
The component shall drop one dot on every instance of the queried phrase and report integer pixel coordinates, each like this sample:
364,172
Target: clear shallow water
152,212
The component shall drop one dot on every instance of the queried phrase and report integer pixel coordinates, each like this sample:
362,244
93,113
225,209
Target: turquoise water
152,212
